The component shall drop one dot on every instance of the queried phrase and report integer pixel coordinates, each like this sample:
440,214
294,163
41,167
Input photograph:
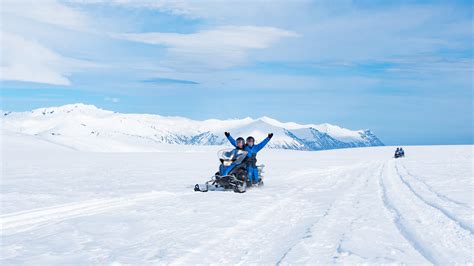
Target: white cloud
45,11
212,9
24,58
362,35
347,31
176,7
112,99
220,47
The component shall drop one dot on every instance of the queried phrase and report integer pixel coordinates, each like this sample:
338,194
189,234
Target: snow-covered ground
60,206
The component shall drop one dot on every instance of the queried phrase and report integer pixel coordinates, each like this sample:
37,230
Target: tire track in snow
435,205
18,222
430,232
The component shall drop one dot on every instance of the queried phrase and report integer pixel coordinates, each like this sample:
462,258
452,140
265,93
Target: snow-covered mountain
86,127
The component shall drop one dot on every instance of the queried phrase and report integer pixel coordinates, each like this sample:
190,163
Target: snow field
332,207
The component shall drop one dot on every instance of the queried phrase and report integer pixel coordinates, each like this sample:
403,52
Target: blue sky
403,69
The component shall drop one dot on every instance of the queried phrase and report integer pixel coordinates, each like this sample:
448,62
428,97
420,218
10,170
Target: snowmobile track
28,220
397,219
429,188
254,228
309,229
417,220
435,205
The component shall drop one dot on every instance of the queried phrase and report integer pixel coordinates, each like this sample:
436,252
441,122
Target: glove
227,134
270,135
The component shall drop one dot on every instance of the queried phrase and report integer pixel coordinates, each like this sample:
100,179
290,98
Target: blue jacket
252,151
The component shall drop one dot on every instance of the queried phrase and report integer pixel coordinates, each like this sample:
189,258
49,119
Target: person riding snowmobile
232,174
239,146
252,154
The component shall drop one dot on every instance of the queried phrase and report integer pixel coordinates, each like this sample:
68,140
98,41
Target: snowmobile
399,154
232,173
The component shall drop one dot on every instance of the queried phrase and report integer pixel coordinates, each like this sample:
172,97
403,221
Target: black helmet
240,139
250,138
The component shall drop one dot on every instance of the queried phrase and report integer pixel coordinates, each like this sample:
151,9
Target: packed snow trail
334,207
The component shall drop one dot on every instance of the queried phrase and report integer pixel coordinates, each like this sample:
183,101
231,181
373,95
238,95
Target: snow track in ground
295,211
355,216
439,238
447,206
32,219
331,240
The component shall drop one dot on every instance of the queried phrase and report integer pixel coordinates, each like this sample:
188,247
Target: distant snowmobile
399,153
232,173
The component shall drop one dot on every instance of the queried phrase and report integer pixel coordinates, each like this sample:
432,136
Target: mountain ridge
83,126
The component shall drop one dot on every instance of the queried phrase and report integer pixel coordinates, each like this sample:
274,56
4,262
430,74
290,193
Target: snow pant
253,174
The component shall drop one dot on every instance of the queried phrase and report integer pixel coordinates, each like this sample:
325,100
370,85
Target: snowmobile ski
201,188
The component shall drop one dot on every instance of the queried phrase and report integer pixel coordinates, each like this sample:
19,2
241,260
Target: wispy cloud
210,9
218,48
24,58
112,99
170,81
46,11
28,60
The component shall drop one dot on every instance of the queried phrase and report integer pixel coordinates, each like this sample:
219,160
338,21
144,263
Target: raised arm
264,142
231,139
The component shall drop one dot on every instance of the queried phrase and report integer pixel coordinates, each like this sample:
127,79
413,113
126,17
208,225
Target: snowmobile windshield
229,156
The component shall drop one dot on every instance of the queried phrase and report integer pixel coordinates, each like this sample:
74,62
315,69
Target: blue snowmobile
232,173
